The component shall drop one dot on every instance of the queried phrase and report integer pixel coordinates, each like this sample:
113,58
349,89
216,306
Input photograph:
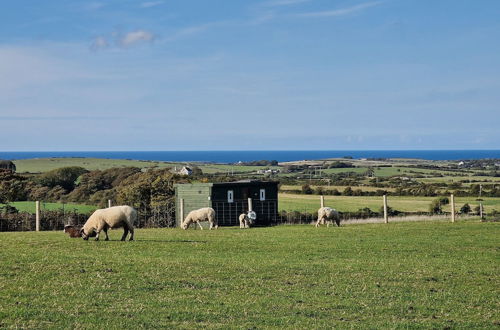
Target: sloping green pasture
411,275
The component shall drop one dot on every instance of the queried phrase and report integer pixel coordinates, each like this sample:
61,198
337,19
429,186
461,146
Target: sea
246,156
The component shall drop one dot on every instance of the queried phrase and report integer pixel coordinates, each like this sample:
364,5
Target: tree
65,177
12,186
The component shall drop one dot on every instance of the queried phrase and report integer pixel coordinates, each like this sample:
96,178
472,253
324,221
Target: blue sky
249,75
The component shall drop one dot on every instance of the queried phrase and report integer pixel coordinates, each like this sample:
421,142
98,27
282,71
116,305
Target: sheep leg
125,232
199,224
317,222
106,232
97,234
131,234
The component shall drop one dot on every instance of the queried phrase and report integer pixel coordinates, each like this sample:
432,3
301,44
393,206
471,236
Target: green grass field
411,275
311,203
30,207
40,165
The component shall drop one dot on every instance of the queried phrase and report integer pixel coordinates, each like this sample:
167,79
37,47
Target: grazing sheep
247,219
73,231
112,217
196,216
328,215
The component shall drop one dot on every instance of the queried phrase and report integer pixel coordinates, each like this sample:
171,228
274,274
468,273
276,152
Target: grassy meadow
406,275
68,207
311,203
41,165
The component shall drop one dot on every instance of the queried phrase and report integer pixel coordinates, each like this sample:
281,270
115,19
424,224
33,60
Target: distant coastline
279,155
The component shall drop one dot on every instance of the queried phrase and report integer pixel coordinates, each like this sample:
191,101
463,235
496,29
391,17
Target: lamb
196,216
112,217
73,231
328,215
247,219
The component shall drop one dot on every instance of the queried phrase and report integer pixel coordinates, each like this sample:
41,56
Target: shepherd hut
229,200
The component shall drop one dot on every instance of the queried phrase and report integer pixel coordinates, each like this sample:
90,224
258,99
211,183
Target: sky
249,75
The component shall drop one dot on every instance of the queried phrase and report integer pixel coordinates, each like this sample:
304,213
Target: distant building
186,171
8,165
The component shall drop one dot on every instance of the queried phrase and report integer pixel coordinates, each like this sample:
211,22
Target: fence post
109,202
452,206
322,200
386,219
37,217
250,208
181,211
481,211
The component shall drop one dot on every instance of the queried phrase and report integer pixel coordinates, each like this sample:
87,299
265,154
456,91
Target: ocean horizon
218,156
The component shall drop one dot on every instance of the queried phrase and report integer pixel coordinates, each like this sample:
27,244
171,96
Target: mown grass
68,207
311,203
411,275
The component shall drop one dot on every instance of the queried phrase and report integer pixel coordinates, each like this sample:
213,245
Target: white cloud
136,37
340,12
150,4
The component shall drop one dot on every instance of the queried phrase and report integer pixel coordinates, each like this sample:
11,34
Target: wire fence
161,216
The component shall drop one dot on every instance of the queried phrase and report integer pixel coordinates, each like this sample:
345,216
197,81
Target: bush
465,209
435,207
306,189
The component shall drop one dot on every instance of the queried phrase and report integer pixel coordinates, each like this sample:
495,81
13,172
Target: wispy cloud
340,12
150,4
276,3
99,43
121,40
136,37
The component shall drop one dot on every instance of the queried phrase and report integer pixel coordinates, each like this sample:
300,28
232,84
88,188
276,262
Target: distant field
430,275
40,165
311,203
339,188
30,207
391,171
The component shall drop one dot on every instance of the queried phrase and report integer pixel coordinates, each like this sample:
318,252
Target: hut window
230,196
263,194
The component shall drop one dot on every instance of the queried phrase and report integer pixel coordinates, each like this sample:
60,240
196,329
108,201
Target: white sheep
328,215
112,217
196,216
247,219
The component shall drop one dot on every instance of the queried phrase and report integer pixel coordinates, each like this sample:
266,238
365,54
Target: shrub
306,189
465,209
